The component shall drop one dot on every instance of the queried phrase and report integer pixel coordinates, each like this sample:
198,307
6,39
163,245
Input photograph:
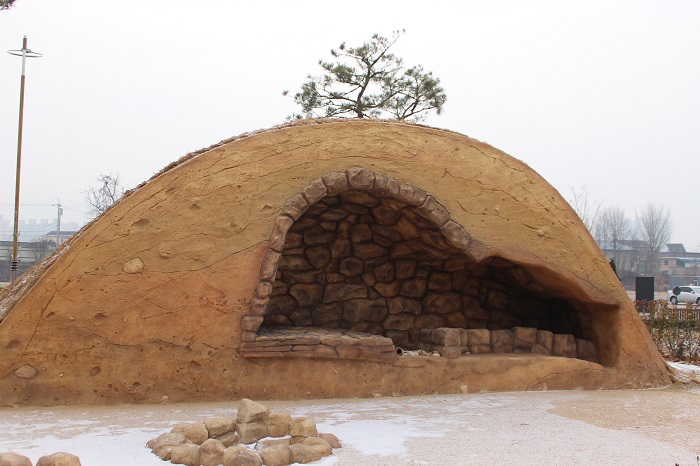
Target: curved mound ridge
298,261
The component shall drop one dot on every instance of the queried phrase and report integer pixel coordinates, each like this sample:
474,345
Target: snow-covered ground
688,372
634,427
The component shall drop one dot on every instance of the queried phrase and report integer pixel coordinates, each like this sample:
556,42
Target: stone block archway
360,266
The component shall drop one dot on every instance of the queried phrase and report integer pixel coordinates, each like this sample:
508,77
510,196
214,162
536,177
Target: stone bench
455,342
313,342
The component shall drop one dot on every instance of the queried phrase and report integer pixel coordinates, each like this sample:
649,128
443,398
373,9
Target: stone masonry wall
372,264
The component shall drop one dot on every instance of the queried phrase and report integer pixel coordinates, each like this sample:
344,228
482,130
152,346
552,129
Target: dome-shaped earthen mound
300,261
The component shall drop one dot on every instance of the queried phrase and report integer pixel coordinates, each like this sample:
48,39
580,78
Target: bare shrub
674,329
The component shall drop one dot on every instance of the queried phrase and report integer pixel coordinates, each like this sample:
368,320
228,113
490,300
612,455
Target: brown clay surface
147,301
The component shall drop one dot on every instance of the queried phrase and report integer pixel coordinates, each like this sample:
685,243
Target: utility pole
58,223
24,53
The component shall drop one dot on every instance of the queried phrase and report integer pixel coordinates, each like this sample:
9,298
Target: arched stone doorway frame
331,184
359,179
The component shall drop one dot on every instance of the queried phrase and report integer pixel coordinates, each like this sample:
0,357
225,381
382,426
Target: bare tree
42,246
587,208
100,197
612,228
655,226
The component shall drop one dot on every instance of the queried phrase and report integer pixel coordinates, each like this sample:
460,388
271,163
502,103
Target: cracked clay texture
145,304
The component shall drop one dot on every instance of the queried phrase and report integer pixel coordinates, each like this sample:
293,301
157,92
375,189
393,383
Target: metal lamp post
24,53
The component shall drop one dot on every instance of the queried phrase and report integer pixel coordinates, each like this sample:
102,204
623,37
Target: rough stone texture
319,444
479,337
211,452
241,456
251,432
434,211
279,232
275,455
295,206
335,183
304,454
456,235
524,339
480,349
411,195
295,342
195,432
360,178
545,340
454,342
13,459
450,352
134,265
303,427
251,411
315,191
60,459
278,424
228,439
171,439
564,345
163,452
445,337
502,341
331,439
272,441
98,334
218,426
187,454
26,372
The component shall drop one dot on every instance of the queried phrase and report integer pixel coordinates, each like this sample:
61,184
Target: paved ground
626,427
662,295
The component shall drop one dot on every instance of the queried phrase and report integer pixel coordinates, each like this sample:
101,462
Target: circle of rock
255,437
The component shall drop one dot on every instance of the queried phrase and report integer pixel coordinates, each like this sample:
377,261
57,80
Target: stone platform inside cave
362,273
314,342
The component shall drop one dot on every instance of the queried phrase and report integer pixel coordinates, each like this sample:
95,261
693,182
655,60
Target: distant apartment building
36,239
32,229
28,254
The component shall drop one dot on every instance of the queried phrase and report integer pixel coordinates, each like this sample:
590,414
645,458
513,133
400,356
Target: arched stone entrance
359,264
100,331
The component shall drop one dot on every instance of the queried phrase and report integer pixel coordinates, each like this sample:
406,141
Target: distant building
64,235
670,267
28,254
32,229
682,268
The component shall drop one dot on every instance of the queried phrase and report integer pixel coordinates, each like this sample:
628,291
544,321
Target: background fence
674,329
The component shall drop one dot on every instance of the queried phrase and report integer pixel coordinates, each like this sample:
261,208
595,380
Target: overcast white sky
604,94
